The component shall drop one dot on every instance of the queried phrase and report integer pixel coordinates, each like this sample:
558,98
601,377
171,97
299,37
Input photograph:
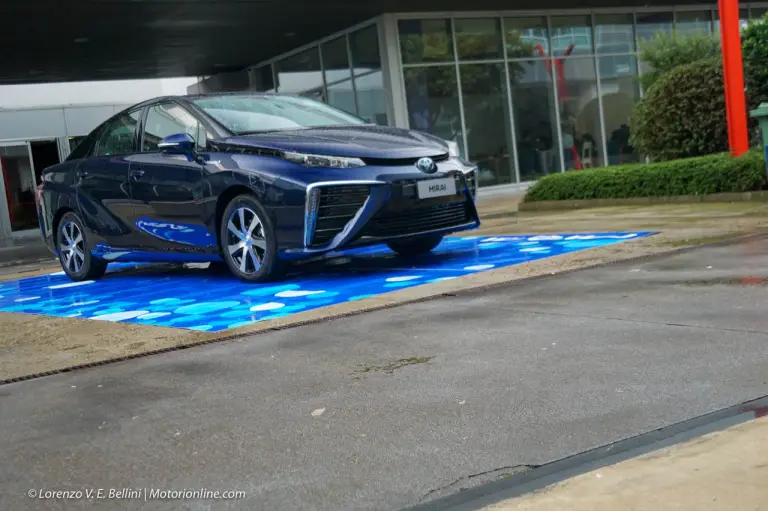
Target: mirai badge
426,165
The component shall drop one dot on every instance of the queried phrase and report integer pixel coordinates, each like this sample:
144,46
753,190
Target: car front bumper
352,213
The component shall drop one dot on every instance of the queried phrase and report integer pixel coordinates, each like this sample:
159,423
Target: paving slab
399,406
720,471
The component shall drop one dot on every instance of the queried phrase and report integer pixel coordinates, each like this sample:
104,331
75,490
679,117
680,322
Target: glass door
19,184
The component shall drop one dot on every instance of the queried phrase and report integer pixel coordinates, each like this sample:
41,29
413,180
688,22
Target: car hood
352,141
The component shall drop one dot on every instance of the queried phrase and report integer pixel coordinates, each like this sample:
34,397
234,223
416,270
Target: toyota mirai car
251,180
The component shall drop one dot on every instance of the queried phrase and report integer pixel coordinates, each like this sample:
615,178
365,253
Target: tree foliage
683,113
665,51
754,47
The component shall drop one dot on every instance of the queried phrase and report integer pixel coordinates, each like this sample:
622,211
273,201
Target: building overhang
53,41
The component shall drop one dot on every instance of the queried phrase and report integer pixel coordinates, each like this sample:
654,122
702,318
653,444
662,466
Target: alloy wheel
246,243
72,247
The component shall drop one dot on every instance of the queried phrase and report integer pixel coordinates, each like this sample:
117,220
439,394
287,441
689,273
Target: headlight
319,160
453,149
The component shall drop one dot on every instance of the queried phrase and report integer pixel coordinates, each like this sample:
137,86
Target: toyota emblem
426,165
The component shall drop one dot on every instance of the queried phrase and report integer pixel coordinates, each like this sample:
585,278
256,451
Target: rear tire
74,252
248,241
415,246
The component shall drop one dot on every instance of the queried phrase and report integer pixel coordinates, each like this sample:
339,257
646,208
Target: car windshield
252,114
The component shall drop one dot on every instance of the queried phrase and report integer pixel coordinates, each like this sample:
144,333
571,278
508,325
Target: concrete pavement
401,406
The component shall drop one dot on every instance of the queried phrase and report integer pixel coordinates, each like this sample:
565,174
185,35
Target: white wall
78,93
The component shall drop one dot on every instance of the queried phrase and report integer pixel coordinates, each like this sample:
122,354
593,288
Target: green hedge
704,175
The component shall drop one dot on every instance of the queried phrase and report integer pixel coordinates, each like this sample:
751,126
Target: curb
545,475
463,292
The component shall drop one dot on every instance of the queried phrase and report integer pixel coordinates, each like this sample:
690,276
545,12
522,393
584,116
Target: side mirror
180,143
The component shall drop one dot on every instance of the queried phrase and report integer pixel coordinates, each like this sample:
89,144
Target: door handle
81,173
136,174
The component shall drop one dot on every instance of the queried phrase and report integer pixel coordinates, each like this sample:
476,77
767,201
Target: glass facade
526,96
344,71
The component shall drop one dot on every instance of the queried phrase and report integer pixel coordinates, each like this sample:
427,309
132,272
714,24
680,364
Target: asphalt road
519,376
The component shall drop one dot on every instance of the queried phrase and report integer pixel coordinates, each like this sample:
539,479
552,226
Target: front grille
402,162
337,205
397,221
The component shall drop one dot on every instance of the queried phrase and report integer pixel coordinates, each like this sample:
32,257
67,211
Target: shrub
754,47
705,175
664,52
683,114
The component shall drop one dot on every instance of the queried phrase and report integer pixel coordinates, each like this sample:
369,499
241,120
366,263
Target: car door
167,189
102,182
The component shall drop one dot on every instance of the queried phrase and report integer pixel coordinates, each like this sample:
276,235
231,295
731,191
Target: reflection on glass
526,37
371,99
300,73
693,22
571,35
342,96
433,101
19,183
649,23
335,61
74,142
486,119
533,102
614,33
261,79
478,39
364,46
425,41
620,90
579,114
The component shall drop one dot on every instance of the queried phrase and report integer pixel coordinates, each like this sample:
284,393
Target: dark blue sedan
253,180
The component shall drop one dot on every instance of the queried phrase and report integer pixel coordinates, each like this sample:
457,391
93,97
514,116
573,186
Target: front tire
248,241
415,246
74,255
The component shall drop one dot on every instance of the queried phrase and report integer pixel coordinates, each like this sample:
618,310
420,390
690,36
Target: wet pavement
395,407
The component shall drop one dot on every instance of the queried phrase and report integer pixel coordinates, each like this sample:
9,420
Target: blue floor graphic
203,299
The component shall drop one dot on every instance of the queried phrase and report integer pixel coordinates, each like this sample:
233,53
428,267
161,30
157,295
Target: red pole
733,76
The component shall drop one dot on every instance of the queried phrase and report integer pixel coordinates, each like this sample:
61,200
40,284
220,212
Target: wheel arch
57,220
223,201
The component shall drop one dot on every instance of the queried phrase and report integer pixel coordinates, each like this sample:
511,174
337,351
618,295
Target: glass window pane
533,103
486,119
525,37
118,137
261,79
371,99
432,97
649,23
425,41
364,45
571,35
169,119
300,72
756,13
342,96
614,33
620,90
335,60
744,16
693,22
478,39
579,113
